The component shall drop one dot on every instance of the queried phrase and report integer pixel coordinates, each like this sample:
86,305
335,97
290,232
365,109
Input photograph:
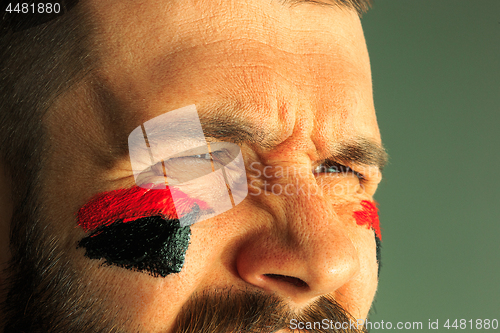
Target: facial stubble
46,293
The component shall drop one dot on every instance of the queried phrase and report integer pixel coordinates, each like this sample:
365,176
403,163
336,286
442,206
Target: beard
44,293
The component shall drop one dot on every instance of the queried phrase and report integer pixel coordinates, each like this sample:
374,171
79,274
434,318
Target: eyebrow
237,130
360,6
359,150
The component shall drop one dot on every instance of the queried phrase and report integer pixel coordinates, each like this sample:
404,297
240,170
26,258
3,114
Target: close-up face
286,89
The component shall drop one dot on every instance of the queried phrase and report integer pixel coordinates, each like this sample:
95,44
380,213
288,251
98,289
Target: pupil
333,169
329,169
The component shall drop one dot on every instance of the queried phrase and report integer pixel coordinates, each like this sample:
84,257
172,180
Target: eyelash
329,166
216,155
339,168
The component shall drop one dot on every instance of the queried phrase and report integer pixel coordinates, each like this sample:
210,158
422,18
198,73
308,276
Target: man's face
297,77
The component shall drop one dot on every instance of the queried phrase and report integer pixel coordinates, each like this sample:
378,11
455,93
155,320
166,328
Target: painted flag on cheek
368,216
180,179
139,229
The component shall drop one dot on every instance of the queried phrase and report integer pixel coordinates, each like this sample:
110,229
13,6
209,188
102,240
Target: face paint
378,253
136,202
150,244
139,229
368,216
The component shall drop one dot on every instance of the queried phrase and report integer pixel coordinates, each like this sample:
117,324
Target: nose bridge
316,231
305,213
305,241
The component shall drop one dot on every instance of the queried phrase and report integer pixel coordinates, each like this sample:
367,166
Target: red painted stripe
369,216
130,204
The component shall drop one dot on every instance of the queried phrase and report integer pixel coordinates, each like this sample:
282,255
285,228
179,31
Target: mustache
134,203
228,311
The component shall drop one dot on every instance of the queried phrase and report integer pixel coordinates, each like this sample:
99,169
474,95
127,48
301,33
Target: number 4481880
471,324
40,8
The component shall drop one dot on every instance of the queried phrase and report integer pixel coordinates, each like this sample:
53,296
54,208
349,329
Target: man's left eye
329,166
220,158
202,156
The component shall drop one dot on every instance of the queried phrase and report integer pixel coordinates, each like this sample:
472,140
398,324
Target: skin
302,73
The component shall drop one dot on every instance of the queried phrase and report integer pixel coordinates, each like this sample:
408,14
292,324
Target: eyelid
343,169
203,149
190,152
217,154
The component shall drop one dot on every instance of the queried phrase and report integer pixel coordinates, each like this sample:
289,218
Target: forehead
277,67
258,54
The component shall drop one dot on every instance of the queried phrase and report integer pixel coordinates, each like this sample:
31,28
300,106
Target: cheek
368,216
363,286
143,301
139,229
150,244
134,203
359,292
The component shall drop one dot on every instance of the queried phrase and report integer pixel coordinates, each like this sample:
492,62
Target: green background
436,77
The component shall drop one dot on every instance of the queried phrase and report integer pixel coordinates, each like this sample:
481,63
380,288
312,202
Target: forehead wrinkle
256,63
164,44
176,73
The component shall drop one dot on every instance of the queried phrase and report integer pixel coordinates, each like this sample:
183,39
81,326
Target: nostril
288,279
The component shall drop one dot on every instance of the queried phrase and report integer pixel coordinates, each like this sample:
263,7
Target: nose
301,254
